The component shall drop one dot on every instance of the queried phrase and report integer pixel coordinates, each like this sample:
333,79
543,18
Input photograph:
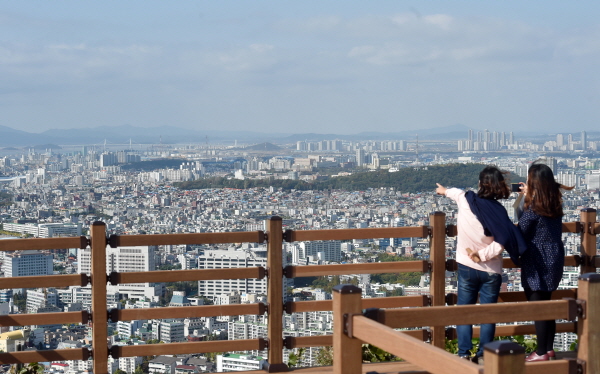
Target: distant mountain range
10,137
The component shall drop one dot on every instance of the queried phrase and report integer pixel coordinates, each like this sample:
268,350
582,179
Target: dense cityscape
60,191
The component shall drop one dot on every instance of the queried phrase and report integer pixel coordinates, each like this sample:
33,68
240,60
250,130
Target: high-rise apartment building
27,263
223,259
126,259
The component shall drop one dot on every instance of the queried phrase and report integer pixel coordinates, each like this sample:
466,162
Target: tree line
412,180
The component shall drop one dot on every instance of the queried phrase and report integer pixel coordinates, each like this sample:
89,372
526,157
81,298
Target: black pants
545,330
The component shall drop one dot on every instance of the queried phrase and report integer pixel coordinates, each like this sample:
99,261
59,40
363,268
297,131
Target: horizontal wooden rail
378,302
188,348
415,351
365,268
187,312
43,243
596,228
552,367
347,234
327,340
185,275
175,239
515,296
476,314
45,356
60,318
569,261
512,330
45,281
572,227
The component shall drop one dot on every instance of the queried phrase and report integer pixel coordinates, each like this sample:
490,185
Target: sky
306,66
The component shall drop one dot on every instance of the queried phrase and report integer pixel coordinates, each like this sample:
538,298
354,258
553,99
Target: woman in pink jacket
484,231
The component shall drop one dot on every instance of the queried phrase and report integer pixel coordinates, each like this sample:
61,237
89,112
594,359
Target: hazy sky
301,66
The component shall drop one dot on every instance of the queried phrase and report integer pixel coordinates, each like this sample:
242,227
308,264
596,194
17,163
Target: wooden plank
347,351
43,243
597,228
368,233
551,367
426,356
327,340
511,330
187,312
44,319
379,302
202,238
395,302
186,275
572,227
187,348
508,264
365,268
99,315
437,286
515,296
44,356
45,280
475,314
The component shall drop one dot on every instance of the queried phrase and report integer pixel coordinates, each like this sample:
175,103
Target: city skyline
300,67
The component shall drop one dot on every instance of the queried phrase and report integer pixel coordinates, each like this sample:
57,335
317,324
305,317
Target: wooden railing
433,328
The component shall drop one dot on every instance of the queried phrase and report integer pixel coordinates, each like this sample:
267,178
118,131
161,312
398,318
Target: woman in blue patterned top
543,262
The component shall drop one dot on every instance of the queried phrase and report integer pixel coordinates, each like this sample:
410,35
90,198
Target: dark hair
543,191
492,184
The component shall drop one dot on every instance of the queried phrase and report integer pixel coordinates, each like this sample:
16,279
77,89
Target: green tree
296,357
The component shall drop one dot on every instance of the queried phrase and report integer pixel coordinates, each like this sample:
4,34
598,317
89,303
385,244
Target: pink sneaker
535,357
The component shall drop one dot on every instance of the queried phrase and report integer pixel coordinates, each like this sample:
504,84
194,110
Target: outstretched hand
440,190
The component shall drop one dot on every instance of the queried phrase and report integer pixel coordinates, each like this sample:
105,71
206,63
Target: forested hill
405,180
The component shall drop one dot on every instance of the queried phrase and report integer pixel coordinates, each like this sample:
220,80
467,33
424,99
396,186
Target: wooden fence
434,329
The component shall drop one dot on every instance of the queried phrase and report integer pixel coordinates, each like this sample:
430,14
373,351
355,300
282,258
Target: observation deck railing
430,311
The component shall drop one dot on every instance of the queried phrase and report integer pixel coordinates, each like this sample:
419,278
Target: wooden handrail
514,296
178,239
327,340
48,281
43,243
44,318
378,302
347,234
427,356
364,268
188,348
185,275
512,330
476,314
187,312
45,355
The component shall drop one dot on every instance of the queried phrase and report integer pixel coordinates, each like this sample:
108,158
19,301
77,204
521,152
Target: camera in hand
515,187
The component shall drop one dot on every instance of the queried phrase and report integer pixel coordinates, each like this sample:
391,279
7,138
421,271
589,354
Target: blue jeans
473,283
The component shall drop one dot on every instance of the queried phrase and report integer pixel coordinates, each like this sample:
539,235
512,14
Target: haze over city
284,67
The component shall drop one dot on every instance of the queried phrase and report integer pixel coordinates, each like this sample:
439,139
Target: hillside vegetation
405,180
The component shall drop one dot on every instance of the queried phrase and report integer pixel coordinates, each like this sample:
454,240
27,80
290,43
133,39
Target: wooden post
99,311
503,356
347,351
275,295
588,240
437,256
588,324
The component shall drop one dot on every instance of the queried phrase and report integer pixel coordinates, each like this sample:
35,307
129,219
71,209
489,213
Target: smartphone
515,187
